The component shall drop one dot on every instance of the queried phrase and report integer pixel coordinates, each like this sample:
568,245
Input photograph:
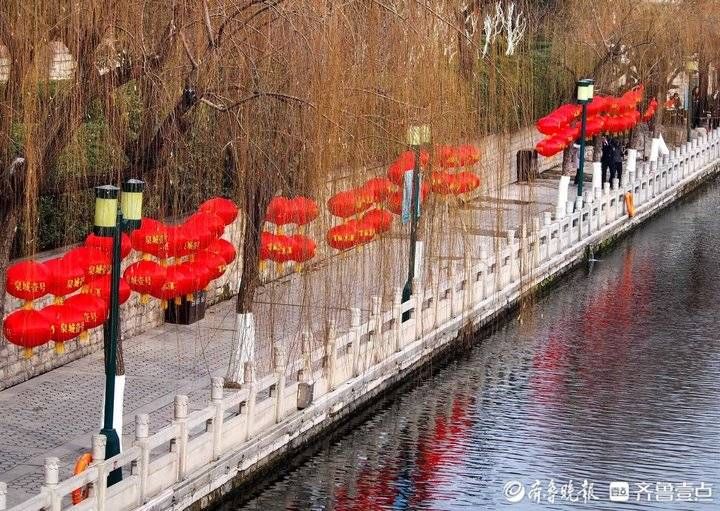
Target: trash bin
186,312
527,164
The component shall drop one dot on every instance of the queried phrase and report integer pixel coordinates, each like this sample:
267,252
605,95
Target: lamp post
416,137
110,222
584,96
691,66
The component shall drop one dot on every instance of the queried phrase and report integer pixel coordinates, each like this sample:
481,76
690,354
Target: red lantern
364,231
224,249
215,264
94,261
176,285
27,329
209,221
67,324
341,237
94,309
198,276
440,182
100,287
224,208
466,182
284,249
196,237
378,188
27,280
144,276
342,204
303,210
66,276
550,124
267,240
151,237
279,211
597,106
104,244
304,248
380,219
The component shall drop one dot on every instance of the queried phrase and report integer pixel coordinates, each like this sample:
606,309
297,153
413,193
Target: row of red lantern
464,155
196,233
297,210
650,111
358,232
356,200
279,248
447,183
564,116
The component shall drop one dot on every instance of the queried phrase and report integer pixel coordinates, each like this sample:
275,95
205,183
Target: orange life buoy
630,204
80,494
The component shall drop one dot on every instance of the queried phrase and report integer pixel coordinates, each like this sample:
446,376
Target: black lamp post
111,222
584,96
417,136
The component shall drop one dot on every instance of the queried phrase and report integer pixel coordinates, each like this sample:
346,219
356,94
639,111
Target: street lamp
111,222
584,96
417,136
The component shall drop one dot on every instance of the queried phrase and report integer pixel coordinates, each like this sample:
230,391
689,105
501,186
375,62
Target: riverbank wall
206,454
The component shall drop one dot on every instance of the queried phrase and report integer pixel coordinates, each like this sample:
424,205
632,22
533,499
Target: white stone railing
265,415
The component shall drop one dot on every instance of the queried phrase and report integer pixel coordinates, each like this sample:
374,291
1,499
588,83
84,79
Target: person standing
617,159
606,160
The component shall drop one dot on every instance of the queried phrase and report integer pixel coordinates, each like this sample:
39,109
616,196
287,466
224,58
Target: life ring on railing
80,494
630,204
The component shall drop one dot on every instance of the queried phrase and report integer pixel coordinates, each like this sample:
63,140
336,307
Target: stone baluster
142,465
216,401
331,352
419,296
52,478
251,387
180,419
99,487
397,319
375,338
355,340
279,391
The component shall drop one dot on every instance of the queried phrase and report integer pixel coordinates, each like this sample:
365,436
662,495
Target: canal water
607,388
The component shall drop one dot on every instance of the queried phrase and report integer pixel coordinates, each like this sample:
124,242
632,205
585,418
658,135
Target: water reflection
613,377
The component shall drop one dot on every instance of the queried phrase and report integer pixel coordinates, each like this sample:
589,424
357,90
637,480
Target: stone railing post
216,401
52,478
511,258
140,467
3,496
397,319
331,352
452,287
355,340
251,387
99,487
279,393
468,291
418,296
180,419
374,344
306,376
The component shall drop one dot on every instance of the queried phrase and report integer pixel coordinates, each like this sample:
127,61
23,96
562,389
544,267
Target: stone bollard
99,487
52,478
251,387
216,401
355,343
180,418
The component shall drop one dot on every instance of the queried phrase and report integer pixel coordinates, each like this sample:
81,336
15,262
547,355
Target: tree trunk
8,225
568,162
597,148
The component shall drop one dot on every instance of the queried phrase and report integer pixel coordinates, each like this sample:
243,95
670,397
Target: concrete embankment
205,454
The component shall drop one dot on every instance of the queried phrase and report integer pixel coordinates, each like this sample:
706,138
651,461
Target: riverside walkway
499,246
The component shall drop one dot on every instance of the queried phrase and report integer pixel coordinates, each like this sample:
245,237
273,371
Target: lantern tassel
164,304
27,353
190,297
84,336
144,299
27,305
60,347
178,300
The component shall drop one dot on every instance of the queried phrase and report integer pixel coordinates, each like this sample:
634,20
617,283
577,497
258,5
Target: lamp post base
112,448
406,294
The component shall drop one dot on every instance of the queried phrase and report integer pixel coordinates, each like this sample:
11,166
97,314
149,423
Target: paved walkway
54,414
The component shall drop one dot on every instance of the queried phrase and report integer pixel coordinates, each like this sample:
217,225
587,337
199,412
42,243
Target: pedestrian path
54,414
